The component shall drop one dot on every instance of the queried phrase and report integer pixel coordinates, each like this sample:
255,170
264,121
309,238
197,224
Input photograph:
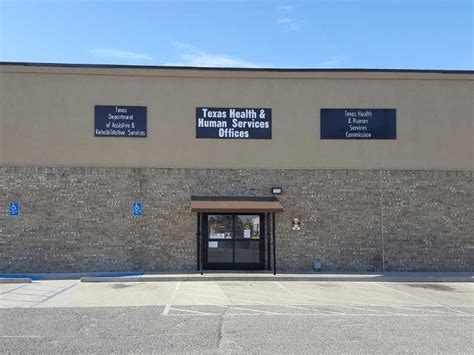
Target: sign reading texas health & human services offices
120,121
233,123
358,123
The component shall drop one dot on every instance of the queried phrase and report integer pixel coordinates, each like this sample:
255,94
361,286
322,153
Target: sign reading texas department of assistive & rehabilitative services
355,123
120,121
233,123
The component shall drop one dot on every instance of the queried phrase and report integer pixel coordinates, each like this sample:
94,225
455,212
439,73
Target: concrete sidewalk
352,277
248,276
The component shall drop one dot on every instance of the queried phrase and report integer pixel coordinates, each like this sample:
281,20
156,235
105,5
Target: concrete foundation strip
15,280
325,277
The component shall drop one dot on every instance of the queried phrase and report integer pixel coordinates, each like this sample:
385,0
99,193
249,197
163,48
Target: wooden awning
236,204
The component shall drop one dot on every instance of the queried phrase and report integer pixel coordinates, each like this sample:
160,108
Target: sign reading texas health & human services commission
120,121
233,123
358,123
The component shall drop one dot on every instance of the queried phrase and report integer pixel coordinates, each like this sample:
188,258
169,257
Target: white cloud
195,57
289,23
203,59
285,7
333,62
287,20
119,54
284,20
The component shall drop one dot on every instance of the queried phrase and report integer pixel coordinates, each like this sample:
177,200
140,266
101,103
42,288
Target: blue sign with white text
120,121
137,209
14,208
233,123
358,123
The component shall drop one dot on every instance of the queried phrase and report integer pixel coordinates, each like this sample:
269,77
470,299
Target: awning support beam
274,243
268,239
199,243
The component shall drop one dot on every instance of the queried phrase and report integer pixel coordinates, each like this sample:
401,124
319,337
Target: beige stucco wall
47,118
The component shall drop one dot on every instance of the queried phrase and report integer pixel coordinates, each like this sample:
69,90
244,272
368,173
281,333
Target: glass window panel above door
247,227
219,226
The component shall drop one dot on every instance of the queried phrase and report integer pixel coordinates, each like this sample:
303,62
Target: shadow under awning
235,204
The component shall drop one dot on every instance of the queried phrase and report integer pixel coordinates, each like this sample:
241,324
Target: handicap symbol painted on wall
137,209
14,208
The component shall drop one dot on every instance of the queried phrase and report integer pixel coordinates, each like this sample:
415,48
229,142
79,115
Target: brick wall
79,219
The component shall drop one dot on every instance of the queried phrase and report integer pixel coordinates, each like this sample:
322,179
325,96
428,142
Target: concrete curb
220,278
15,281
68,275
464,277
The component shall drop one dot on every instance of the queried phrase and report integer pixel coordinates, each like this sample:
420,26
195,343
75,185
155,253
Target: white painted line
314,309
253,302
424,309
168,305
433,303
43,288
20,336
343,289
259,304
350,302
324,315
201,295
190,311
321,298
302,308
255,310
374,310
44,294
262,298
15,300
233,299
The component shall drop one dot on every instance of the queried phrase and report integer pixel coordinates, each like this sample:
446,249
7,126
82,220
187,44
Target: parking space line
229,307
256,310
314,309
424,309
322,315
47,298
345,289
33,299
13,300
42,288
313,289
290,291
168,305
320,298
293,294
20,336
188,311
259,291
428,302
272,295
29,294
279,305
372,310
13,289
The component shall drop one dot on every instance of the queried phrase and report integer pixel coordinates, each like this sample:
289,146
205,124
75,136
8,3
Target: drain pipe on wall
382,229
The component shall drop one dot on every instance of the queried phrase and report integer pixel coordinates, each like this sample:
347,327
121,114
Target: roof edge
303,70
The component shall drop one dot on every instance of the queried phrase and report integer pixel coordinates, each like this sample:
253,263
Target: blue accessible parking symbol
137,209
14,208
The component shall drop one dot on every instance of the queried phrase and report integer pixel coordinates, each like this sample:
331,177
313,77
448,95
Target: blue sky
418,34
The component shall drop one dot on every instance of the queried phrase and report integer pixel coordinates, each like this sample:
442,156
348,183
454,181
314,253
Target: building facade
117,168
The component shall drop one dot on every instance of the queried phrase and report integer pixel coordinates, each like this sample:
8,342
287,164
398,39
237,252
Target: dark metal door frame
204,238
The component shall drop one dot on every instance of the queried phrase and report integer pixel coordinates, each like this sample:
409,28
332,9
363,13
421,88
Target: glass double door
234,241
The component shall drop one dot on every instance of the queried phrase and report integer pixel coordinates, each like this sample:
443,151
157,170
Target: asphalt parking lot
252,317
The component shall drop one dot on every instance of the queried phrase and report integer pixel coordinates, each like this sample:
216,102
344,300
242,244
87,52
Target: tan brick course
80,219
